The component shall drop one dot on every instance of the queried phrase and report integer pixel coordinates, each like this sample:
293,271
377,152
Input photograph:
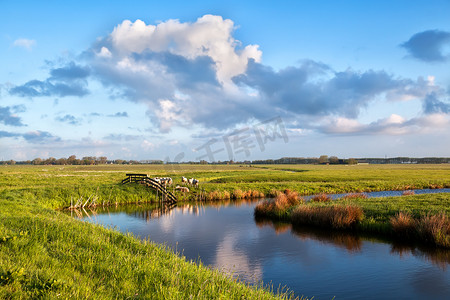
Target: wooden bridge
166,196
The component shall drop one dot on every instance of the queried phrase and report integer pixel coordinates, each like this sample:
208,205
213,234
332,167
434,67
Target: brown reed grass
403,225
408,193
435,229
278,205
339,217
237,194
321,198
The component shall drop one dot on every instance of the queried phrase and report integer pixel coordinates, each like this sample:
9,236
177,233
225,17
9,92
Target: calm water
388,193
309,262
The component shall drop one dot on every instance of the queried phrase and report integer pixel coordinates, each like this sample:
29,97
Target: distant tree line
73,160
323,159
334,160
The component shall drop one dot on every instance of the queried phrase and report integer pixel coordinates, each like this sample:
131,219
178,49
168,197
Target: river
307,261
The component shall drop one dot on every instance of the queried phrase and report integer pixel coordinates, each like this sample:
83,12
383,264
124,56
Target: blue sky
221,80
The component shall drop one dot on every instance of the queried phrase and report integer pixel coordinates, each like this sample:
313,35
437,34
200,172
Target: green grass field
46,254
57,186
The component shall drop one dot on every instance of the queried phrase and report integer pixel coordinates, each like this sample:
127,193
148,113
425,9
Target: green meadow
44,253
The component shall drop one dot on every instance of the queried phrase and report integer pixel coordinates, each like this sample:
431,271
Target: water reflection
345,240
310,261
353,242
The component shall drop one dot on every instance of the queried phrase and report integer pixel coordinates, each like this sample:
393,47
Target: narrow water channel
309,262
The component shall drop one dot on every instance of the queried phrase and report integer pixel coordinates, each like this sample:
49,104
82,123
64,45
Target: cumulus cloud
429,45
24,43
187,65
69,80
209,36
197,75
8,116
315,89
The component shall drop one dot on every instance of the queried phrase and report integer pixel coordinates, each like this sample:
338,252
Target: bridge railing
150,182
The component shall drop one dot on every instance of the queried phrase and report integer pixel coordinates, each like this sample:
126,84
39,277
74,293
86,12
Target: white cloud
343,125
105,53
24,43
209,36
392,125
393,119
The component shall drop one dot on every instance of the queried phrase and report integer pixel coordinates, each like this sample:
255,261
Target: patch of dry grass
435,229
403,225
321,198
282,203
338,217
408,193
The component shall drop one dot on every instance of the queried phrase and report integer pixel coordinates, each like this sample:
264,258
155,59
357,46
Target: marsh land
46,253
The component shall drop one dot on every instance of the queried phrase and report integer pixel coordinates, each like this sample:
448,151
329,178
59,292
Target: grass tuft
321,198
403,225
338,217
435,229
408,193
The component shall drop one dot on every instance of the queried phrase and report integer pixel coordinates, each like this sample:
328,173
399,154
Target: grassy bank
422,218
44,253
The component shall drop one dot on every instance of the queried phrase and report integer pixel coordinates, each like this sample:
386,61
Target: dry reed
403,225
435,229
408,193
328,216
321,198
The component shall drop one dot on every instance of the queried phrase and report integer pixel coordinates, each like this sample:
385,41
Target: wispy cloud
40,137
69,119
122,137
392,125
4,134
123,114
24,43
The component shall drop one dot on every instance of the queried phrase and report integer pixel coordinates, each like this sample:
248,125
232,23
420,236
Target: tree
61,161
37,161
334,160
323,159
72,160
352,161
50,161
